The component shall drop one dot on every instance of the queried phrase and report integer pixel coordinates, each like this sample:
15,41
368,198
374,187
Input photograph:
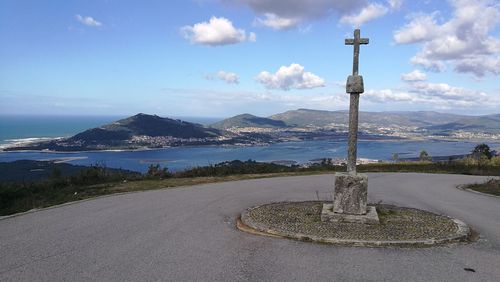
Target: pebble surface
396,223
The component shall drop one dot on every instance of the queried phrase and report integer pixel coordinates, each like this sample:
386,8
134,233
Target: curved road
189,234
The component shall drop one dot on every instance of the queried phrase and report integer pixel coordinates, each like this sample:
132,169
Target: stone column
353,134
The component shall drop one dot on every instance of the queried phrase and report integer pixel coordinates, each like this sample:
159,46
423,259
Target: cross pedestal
351,189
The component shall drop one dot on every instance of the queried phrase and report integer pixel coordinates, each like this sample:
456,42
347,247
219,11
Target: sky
218,58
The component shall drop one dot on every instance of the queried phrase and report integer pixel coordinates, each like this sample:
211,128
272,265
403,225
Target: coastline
31,140
297,152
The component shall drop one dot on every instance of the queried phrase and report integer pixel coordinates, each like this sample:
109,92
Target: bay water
180,158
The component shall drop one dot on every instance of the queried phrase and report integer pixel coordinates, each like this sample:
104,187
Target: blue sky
224,57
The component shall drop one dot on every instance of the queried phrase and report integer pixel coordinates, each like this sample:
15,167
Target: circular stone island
405,227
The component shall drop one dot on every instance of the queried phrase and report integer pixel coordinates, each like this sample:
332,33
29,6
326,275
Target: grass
384,213
15,198
429,167
491,187
143,185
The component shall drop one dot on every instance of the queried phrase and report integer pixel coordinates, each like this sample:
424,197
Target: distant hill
248,120
148,125
150,131
305,117
485,124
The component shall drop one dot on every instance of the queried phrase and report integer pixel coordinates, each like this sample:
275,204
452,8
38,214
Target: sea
20,128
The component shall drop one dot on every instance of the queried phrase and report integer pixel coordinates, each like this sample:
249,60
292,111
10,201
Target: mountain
151,131
306,117
248,120
145,125
484,124
139,131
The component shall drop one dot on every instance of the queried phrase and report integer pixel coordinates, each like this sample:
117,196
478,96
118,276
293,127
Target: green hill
304,117
119,135
149,125
485,124
248,120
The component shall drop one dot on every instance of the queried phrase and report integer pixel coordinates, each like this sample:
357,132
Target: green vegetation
85,183
247,120
59,187
422,119
489,124
152,125
424,156
491,186
455,167
156,172
395,157
117,135
482,151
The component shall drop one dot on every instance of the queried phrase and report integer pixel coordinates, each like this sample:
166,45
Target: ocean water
23,127
180,158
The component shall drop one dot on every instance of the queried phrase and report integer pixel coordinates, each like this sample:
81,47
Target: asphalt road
189,234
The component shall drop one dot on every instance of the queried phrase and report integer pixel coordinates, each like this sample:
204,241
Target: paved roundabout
189,234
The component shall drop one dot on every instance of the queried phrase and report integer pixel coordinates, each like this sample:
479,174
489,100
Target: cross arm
361,41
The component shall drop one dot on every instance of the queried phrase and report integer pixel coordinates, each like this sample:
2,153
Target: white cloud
216,32
88,21
283,14
415,75
368,13
464,40
229,77
291,77
387,95
420,28
438,95
277,23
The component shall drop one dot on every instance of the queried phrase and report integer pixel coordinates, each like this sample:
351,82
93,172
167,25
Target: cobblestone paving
395,223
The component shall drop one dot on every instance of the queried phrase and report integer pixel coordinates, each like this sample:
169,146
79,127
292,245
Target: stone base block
351,193
370,216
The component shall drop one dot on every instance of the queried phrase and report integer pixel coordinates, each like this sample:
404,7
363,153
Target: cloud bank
285,14
465,40
440,95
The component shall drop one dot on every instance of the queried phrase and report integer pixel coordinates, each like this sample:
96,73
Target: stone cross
354,87
350,194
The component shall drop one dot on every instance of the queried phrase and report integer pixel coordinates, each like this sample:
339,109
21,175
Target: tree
155,171
482,150
424,156
395,157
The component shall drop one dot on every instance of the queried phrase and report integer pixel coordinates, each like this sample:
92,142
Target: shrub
157,172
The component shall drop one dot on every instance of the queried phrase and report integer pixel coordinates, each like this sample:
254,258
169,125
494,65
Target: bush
424,156
156,172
